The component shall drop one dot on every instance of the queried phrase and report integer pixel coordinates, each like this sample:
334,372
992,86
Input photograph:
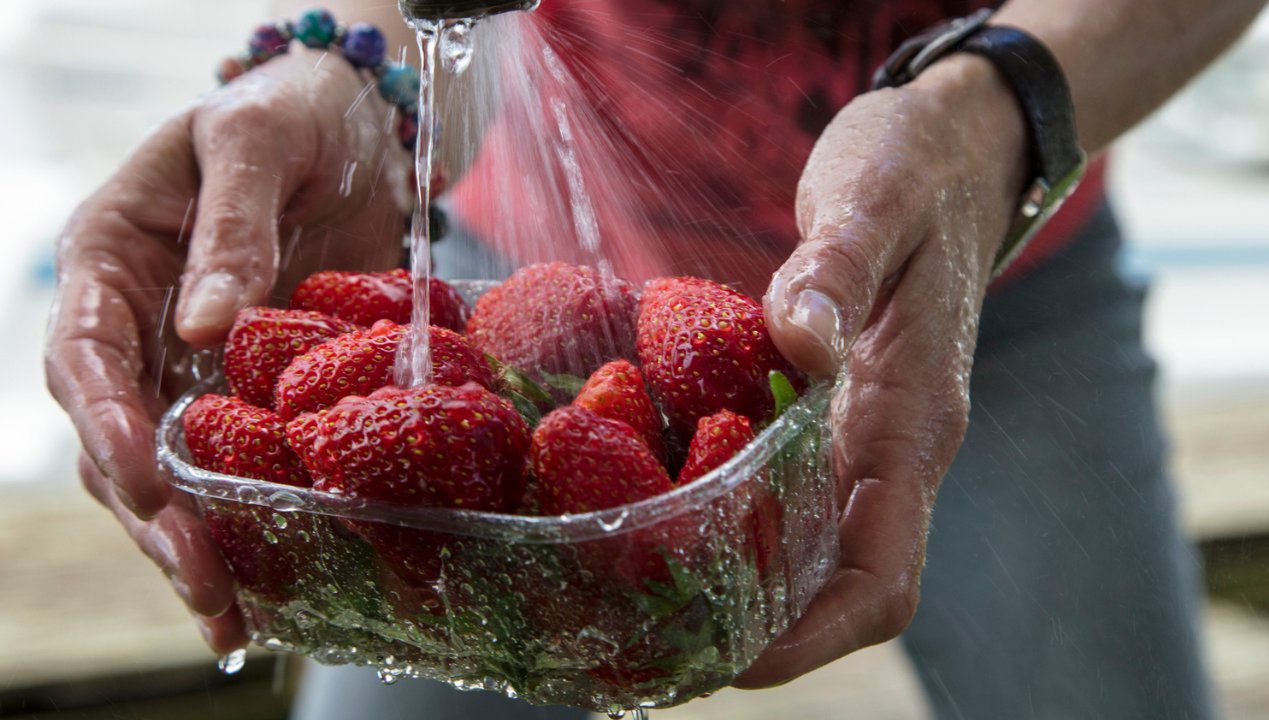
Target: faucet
459,9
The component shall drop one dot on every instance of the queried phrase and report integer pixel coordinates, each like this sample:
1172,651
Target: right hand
229,204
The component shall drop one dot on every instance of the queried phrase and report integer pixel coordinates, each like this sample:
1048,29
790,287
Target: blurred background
89,629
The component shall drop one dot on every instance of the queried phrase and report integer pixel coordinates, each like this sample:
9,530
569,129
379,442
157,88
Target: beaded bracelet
363,45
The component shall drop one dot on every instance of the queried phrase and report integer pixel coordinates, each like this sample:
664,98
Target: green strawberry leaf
663,599
783,392
526,408
564,382
518,382
654,606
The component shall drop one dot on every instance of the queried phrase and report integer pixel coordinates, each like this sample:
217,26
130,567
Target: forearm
1124,58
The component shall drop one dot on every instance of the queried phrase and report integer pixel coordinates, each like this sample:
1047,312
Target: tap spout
459,9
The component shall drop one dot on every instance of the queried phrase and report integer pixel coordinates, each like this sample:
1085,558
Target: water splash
457,46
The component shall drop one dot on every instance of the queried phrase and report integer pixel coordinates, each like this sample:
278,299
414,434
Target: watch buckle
1039,203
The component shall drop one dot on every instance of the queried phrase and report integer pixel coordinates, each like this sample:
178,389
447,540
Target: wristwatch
1033,73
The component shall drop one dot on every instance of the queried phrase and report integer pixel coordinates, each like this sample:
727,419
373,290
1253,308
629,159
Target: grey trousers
1057,583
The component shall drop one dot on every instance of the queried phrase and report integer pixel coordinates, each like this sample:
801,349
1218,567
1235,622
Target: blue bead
364,46
315,28
399,85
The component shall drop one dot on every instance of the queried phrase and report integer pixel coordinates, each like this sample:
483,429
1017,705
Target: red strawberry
264,341
718,437
228,436
367,297
361,362
584,462
616,391
556,318
460,447
704,347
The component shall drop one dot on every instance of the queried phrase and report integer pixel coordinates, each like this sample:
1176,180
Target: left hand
902,207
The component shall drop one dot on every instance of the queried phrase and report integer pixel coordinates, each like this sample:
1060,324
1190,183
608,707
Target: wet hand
902,207
287,169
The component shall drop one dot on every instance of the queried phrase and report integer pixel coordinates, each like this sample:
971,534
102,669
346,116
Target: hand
229,204
902,207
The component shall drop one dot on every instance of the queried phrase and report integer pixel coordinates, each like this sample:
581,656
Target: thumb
824,294
233,255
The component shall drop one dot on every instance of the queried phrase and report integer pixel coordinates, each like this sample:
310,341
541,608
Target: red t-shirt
691,121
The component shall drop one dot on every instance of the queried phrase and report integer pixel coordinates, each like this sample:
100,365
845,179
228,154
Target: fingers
242,152
897,425
225,632
176,540
824,294
870,599
93,367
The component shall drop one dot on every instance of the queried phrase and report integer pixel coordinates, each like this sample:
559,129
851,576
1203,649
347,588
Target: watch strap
1037,81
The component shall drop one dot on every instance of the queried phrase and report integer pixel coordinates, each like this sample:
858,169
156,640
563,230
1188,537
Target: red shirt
691,121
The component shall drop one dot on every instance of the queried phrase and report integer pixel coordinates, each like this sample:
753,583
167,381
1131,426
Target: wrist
985,117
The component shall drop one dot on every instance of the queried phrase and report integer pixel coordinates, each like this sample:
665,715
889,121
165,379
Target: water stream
448,44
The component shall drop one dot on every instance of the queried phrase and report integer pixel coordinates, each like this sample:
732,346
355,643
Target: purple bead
364,46
267,42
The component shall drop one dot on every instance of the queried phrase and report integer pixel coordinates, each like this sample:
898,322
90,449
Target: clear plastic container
645,605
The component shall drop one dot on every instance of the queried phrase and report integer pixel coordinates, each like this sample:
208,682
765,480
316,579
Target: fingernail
213,301
817,314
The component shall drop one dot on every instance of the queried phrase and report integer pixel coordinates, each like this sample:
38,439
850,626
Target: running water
449,44
538,165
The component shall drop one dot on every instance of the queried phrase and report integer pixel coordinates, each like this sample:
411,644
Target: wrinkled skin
211,203
902,207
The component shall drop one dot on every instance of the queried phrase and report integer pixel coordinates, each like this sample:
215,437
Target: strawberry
361,362
704,348
718,437
263,341
226,435
616,391
556,318
604,604
367,297
431,446
584,462
460,447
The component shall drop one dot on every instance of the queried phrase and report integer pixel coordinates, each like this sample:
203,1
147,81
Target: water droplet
285,501
279,521
233,662
346,182
388,677
616,522
273,644
270,538
456,46
249,495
